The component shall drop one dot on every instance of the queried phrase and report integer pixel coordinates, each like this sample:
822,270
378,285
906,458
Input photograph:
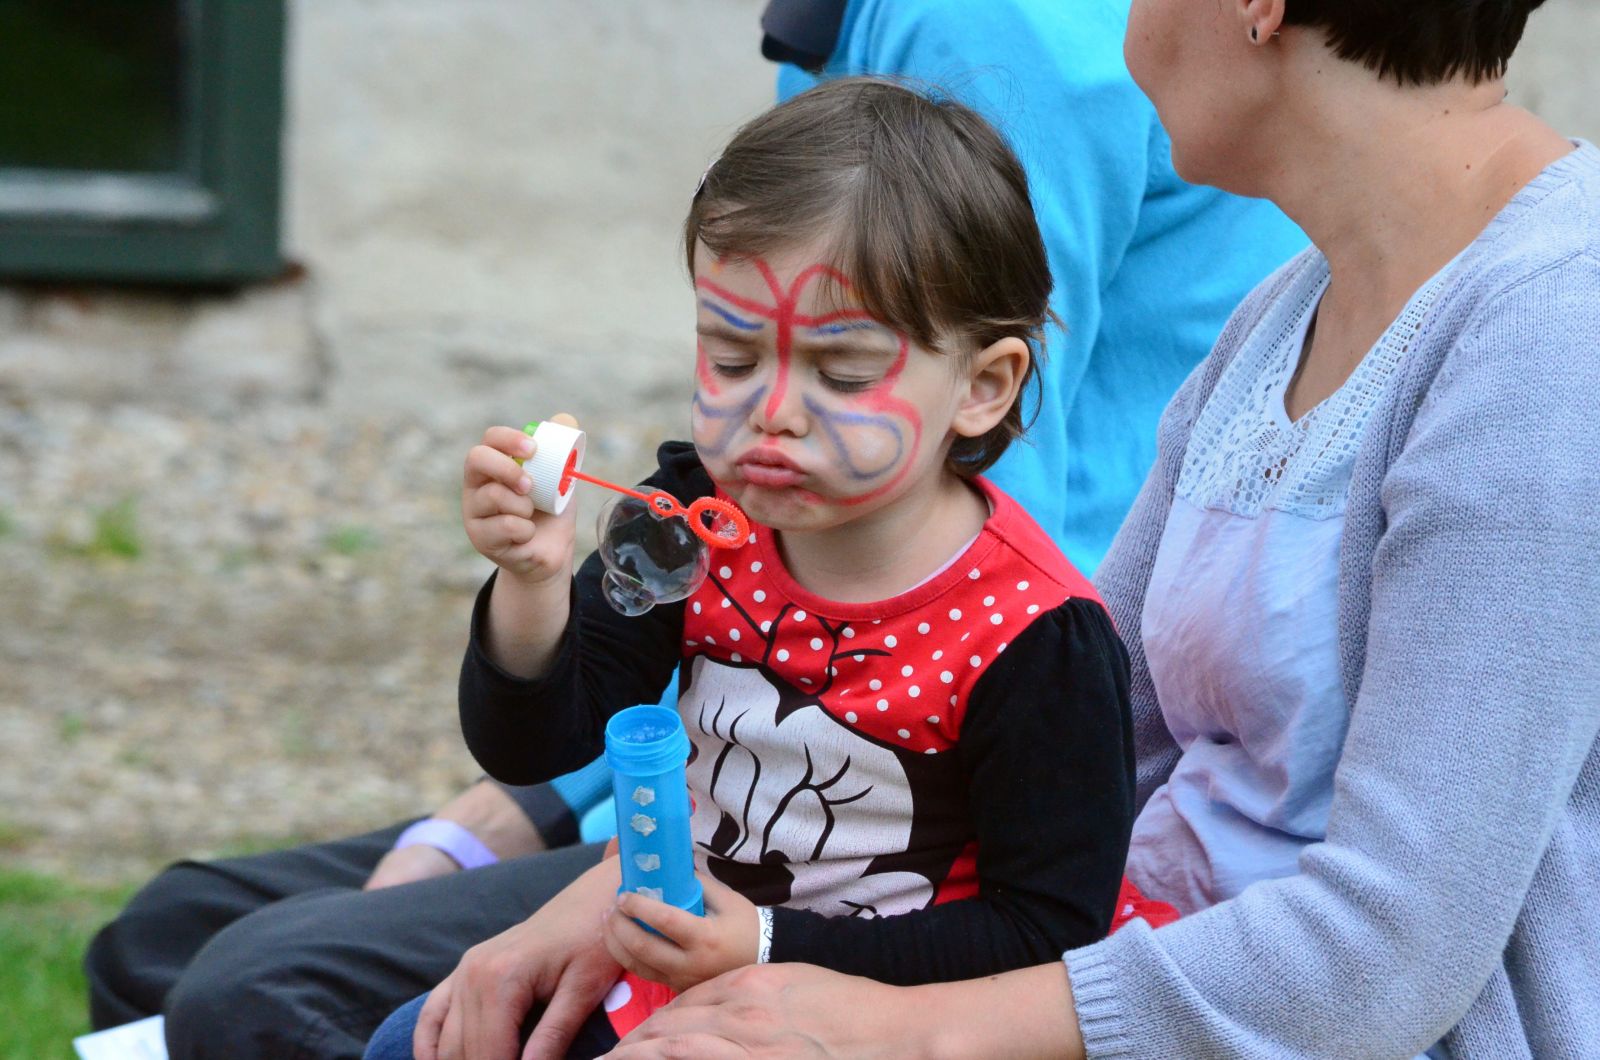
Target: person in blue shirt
1147,269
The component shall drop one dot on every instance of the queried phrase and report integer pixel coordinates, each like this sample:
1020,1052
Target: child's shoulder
1023,549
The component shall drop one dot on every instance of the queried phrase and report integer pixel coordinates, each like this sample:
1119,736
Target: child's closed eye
846,386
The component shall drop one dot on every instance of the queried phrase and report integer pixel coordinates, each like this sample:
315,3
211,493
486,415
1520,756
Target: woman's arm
797,1010
1478,704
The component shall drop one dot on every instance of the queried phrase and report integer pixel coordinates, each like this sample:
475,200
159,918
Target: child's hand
690,949
499,515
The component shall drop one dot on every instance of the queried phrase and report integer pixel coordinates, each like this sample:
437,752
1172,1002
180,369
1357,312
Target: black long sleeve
525,731
1047,744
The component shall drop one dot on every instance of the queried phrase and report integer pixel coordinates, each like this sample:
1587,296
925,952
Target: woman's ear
994,377
1261,18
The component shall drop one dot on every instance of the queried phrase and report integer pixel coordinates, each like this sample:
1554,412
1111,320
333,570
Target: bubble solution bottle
647,748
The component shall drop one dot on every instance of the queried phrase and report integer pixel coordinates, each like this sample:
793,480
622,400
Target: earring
1255,34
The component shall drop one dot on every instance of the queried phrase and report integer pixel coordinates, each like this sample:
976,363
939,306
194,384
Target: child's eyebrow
840,328
737,321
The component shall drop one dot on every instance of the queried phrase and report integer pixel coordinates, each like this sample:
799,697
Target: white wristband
764,947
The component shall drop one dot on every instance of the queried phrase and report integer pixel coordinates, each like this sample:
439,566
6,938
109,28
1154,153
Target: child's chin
785,509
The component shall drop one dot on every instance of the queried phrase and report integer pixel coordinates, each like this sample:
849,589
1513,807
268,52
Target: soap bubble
650,559
625,594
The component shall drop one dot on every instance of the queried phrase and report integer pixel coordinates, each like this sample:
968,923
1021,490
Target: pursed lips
770,468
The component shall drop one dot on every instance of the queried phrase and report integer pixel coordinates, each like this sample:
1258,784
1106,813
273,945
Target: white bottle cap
554,445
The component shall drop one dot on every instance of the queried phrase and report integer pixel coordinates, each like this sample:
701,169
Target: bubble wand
556,445
648,560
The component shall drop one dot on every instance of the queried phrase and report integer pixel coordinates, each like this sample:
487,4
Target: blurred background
267,270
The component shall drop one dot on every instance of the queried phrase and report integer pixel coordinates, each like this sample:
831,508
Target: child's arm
532,549
526,729
1047,740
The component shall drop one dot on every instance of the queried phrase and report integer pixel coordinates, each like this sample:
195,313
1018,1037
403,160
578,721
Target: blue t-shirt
1147,268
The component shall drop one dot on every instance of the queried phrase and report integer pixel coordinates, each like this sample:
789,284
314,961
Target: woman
1358,589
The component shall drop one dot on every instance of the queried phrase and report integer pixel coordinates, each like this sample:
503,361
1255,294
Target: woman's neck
886,552
1391,183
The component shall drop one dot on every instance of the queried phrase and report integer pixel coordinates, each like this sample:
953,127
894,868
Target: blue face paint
738,322
732,418
829,420
837,329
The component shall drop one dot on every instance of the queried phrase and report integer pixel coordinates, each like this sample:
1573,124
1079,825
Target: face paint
857,444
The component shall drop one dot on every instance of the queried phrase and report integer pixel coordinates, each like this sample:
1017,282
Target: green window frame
211,219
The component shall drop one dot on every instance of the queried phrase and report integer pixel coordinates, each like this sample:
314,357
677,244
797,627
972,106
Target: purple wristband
464,848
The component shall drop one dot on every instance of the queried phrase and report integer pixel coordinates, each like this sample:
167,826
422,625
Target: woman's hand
783,1010
689,949
555,956
499,516
796,1010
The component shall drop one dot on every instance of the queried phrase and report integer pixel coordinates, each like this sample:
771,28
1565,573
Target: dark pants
282,955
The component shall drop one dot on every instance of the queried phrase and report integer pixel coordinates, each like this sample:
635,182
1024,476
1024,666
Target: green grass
116,531
115,534
45,923
351,540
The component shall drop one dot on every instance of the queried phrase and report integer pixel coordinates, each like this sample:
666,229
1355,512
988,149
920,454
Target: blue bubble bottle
647,748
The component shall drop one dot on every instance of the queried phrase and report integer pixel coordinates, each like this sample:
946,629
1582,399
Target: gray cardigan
1457,894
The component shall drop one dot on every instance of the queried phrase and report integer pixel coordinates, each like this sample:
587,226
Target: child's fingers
498,535
510,441
494,498
488,464
620,936
633,946
507,531
682,927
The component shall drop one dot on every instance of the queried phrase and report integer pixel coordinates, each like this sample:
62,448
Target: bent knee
254,990
134,960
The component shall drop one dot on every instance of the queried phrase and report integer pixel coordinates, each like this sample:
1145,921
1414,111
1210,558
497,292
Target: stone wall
485,195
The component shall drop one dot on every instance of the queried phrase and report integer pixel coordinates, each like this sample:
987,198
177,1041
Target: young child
909,713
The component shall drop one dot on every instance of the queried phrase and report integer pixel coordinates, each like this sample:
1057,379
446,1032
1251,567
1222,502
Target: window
140,140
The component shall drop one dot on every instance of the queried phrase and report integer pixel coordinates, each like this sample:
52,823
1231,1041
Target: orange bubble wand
717,522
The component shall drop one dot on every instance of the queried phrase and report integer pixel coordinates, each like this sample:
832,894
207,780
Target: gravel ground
224,632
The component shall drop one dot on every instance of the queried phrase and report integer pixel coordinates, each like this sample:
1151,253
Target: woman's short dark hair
1419,42
925,206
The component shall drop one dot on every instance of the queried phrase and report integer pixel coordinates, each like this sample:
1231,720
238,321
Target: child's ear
994,378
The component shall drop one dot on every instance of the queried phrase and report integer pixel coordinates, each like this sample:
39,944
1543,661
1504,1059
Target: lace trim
1244,454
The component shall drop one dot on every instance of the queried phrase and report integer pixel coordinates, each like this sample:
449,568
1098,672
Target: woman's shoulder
1510,362
1525,297
1549,231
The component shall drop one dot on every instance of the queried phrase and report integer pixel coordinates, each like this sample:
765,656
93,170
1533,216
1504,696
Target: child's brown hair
927,208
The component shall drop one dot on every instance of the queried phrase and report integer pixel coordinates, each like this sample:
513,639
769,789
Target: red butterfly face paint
806,409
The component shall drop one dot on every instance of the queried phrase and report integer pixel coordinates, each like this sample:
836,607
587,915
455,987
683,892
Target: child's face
807,411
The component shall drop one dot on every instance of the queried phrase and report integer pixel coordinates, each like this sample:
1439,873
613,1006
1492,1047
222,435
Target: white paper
142,1040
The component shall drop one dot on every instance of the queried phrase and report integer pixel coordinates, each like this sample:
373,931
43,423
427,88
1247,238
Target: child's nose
783,409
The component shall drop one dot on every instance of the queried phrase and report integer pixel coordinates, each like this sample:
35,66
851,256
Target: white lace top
1240,622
